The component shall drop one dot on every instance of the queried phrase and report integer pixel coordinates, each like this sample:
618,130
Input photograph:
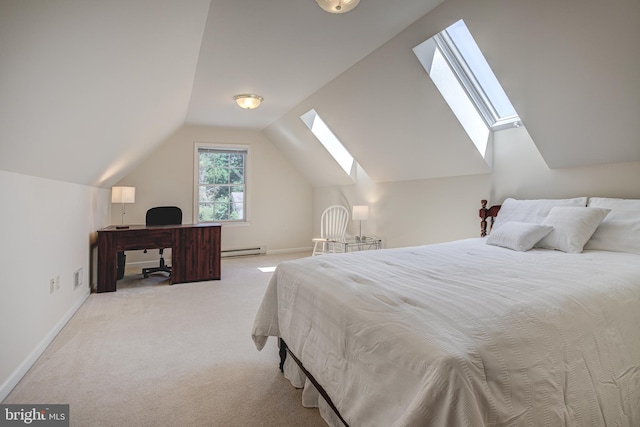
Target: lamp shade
360,212
337,6
248,101
123,194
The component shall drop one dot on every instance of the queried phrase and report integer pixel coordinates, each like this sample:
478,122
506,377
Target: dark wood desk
195,250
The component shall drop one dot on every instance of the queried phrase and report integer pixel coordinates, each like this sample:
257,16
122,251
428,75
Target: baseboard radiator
257,250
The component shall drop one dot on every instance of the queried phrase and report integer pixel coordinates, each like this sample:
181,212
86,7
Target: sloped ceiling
571,70
88,89
389,115
578,80
284,51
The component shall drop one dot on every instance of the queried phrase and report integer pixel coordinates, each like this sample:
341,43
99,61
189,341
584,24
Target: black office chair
162,215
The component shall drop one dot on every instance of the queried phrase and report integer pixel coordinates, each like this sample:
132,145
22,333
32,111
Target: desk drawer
144,239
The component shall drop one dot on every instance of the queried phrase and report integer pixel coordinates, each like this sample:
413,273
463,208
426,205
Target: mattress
464,334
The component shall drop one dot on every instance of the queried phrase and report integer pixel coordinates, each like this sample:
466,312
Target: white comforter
465,334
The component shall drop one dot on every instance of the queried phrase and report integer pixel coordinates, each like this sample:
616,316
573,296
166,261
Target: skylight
483,83
328,140
459,70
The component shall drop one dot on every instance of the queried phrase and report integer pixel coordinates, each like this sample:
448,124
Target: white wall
408,213
435,210
47,231
279,197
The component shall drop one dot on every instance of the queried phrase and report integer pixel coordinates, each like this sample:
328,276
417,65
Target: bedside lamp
360,213
123,195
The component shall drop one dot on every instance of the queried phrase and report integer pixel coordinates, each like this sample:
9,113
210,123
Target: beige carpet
152,354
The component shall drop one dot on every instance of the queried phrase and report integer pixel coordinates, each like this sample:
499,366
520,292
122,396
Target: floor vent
258,250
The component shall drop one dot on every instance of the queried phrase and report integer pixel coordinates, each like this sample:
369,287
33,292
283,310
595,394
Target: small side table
357,243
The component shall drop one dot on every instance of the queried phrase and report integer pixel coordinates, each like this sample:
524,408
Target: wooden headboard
485,213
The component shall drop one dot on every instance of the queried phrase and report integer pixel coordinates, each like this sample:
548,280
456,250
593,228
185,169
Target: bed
512,329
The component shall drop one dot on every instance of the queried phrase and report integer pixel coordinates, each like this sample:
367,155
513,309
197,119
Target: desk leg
122,260
107,263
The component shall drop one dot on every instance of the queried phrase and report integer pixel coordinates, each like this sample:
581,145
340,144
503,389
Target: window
221,183
333,145
476,76
459,70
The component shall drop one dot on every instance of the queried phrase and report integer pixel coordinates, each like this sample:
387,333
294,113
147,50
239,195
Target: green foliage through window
221,184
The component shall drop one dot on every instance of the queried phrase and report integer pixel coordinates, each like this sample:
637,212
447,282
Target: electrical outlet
77,279
57,282
52,285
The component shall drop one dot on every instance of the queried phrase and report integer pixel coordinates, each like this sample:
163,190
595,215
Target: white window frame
196,180
468,82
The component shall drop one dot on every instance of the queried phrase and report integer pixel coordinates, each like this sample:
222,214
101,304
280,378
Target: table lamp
123,195
360,213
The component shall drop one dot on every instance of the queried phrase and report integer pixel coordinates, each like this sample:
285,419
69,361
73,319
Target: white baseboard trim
27,363
246,251
154,263
289,251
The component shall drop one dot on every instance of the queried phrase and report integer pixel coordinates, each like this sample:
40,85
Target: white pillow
572,227
519,236
620,230
534,211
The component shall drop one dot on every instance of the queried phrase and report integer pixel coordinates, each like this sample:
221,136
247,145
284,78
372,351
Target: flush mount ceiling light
337,6
248,101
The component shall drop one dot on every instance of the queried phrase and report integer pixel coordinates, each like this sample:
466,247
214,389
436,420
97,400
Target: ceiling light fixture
248,101
337,6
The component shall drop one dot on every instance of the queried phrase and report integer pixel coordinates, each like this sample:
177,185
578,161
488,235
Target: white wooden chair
333,227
